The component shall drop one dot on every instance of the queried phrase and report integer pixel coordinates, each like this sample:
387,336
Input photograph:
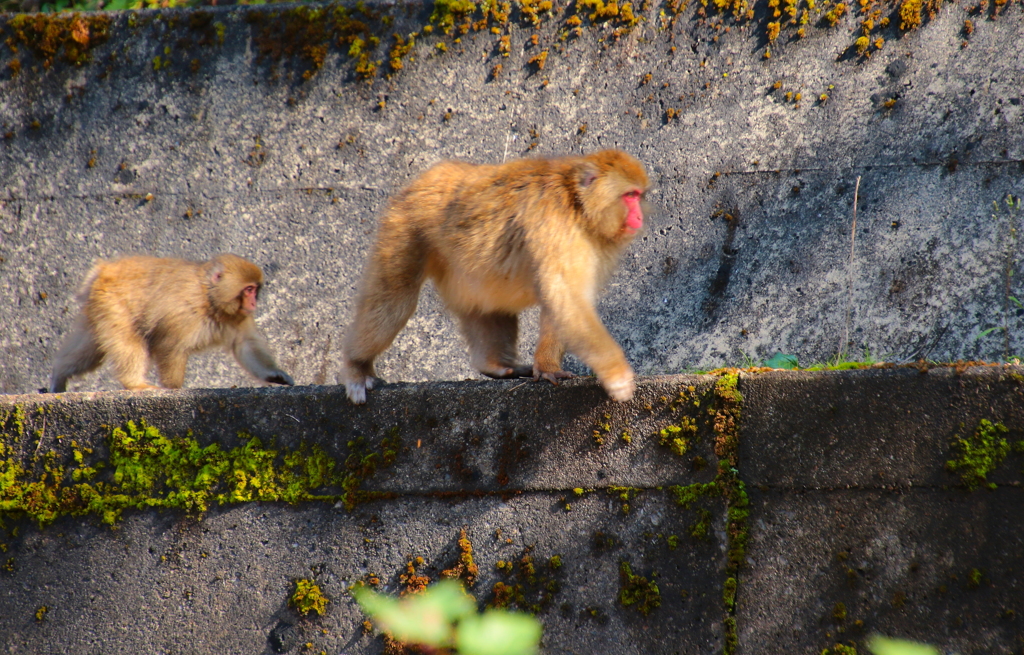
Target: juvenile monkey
496,239
138,309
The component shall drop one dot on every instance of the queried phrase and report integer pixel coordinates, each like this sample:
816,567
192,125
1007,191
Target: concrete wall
189,134
854,527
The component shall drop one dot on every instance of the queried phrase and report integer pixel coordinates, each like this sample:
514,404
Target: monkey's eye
634,194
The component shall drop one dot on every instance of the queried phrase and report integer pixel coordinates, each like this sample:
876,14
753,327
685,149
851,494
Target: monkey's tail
86,288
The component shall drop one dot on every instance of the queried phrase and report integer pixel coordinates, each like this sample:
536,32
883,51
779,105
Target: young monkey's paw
620,388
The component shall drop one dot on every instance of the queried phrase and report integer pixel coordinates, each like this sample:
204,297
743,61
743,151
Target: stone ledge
849,504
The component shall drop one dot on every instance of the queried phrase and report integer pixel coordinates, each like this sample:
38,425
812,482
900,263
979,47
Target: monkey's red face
634,211
248,296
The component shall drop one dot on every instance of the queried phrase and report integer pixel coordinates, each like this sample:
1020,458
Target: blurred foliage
880,645
444,616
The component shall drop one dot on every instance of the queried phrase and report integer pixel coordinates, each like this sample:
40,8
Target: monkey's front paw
356,391
280,377
552,376
620,388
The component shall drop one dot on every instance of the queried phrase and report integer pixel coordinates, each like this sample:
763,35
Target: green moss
638,590
729,594
308,598
839,612
976,456
146,469
726,419
624,495
732,636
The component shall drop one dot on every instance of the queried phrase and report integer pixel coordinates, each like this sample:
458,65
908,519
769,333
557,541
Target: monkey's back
481,226
141,293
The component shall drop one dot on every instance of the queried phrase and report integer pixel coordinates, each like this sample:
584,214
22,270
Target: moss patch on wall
977,455
528,584
365,37
718,411
146,469
638,590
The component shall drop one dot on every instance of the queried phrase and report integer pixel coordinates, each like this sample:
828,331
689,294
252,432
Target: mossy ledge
719,408
146,469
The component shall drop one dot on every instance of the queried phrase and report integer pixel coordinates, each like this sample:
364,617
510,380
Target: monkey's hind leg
493,344
170,368
391,289
80,354
129,354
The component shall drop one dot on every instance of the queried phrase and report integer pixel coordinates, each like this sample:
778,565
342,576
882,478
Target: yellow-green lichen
839,612
687,496
677,437
976,456
308,598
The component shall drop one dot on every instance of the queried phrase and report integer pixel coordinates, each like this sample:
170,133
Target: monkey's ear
586,173
216,271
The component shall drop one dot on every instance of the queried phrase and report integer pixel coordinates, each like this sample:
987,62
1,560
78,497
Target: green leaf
498,632
880,645
425,618
788,362
988,331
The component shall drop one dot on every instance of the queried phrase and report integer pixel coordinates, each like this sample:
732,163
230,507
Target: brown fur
138,309
496,239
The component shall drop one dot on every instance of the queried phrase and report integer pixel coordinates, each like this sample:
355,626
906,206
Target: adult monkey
139,309
496,239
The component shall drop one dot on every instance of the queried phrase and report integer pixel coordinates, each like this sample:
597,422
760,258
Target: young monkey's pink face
249,294
634,211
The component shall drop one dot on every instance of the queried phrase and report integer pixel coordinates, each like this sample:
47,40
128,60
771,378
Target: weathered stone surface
162,583
874,429
751,250
849,503
939,566
855,516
